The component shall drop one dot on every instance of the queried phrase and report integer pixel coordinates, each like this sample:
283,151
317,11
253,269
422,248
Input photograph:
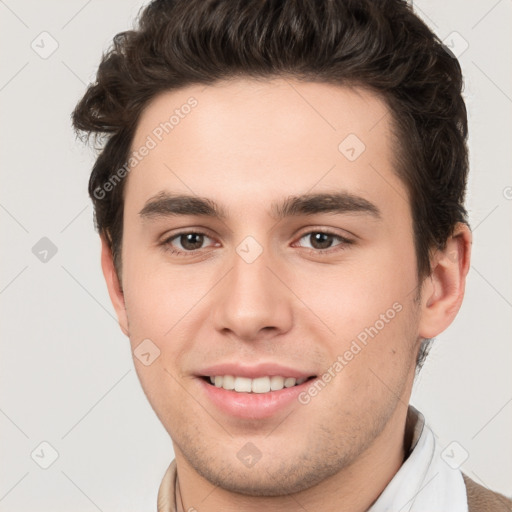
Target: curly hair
377,44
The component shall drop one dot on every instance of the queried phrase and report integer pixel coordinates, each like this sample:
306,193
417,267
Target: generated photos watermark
356,346
152,140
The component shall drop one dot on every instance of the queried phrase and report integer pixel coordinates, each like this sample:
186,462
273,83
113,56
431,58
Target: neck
356,486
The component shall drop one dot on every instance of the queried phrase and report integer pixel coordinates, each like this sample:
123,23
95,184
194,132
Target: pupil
318,239
189,241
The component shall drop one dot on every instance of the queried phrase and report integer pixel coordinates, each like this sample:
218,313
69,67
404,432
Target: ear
443,291
114,287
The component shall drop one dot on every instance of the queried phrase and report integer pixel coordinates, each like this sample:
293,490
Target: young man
280,203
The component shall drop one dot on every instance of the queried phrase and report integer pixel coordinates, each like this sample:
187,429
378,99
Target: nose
253,302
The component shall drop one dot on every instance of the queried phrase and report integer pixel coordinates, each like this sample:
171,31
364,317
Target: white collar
424,482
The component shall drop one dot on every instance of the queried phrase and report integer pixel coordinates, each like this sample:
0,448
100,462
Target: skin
246,145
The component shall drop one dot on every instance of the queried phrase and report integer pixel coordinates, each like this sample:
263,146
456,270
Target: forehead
248,139
265,108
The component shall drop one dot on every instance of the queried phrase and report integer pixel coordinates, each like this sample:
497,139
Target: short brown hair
377,44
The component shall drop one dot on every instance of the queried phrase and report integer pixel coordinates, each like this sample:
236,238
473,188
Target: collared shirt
424,482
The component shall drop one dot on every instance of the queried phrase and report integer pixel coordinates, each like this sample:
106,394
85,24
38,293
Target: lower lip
253,405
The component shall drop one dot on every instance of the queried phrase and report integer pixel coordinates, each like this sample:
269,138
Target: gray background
67,376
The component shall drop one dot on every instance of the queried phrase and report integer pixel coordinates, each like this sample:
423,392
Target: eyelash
344,242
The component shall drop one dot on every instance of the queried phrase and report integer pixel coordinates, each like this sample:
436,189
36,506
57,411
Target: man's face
257,295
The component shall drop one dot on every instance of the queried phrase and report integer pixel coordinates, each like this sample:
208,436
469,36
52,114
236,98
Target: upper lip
254,371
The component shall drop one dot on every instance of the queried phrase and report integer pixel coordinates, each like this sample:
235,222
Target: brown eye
323,241
191,241
186,242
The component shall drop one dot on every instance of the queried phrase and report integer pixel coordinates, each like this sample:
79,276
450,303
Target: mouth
258,398
258,385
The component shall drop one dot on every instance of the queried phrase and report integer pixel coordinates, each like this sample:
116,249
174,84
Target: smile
256,385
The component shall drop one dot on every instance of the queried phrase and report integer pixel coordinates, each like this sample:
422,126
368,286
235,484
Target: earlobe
113,285
443,290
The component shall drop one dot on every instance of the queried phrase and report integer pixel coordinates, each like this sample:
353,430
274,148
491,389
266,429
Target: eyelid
348,236
186,231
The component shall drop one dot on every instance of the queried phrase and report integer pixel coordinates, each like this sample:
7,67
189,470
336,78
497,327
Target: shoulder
481,499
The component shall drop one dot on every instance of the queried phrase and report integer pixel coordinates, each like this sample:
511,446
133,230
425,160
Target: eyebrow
165,204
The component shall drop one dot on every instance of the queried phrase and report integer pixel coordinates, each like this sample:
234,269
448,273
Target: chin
280,477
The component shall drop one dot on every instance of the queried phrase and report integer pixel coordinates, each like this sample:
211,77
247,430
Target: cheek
166,397
355,294
157,295
369,307
371,366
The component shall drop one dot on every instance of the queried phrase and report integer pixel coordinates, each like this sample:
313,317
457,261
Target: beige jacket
481,499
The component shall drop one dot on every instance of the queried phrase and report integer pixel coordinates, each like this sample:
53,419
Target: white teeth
228,382
242,384
276,383
257,385
261,385
289,382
